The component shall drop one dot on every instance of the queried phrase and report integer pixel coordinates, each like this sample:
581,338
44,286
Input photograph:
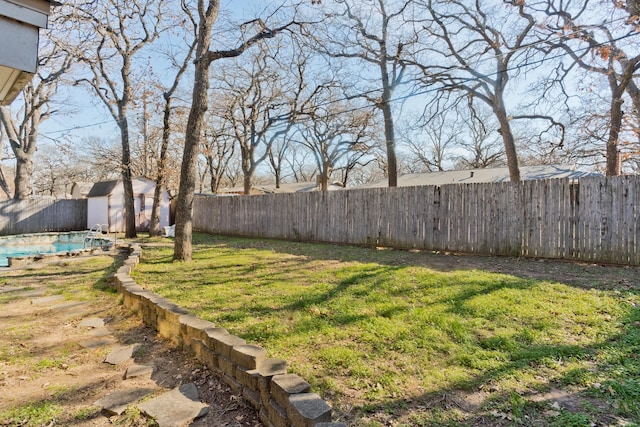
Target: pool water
34,249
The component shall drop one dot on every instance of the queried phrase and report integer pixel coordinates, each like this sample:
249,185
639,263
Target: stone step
176,407
118,402
91,322
137,371
121,354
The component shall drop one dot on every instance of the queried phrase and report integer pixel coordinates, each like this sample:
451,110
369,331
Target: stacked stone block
281,399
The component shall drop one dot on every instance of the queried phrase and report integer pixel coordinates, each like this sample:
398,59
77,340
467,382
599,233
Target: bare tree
219,145
478,50
354,162
430,139
374,35
113,34
299,95
57,168
277,154
233,172
204,57
331,129
35,105
168,94
302,169
104,156
262,106
596,47
479,140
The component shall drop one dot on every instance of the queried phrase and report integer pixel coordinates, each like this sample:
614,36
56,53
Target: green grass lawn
383,331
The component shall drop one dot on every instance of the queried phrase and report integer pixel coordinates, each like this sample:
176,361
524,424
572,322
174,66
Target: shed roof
101,189
105,188
82,187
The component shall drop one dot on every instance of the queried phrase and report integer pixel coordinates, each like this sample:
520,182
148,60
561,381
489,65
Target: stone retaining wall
281,399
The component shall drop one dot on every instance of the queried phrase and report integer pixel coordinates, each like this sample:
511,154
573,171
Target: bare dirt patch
48,362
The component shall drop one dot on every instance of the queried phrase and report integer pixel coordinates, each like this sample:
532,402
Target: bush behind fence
597,219
42,215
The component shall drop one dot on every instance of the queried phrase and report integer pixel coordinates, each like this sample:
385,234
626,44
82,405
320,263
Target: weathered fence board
596,219
36,216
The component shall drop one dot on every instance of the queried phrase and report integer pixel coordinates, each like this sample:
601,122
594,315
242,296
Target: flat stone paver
176,407
47,300
136,371
118,402
100,332
69,304
121,354
7,289
97,343
33,293
92,322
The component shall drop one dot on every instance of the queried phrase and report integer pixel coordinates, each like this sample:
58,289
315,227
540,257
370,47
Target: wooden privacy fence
42,215
597,219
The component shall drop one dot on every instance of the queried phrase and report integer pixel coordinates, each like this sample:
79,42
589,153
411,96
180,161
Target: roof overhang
11,83
19,26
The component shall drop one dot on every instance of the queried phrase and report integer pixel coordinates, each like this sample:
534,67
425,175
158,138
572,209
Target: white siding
97,209
21,52
164,210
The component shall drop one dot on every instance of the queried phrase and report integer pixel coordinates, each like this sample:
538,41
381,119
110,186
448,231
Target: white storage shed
105,205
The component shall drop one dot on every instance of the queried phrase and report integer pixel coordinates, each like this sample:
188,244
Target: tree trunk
507,137
389,131
389,136
23,148
247,170
277,173
613,165
145,137
127,180
183,249
246,182
22,181
154,221
213,183
4,185
345,177
324,177
634,93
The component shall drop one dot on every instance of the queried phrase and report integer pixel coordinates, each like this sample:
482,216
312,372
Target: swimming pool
25,250
42,243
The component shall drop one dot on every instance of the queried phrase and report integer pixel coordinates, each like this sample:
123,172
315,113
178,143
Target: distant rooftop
294,187
485,175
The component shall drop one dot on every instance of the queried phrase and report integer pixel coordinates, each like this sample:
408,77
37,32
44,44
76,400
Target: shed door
97,211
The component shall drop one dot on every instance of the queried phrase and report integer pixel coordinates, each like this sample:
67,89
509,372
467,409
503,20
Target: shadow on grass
605,393
581,274
612,362
39,275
